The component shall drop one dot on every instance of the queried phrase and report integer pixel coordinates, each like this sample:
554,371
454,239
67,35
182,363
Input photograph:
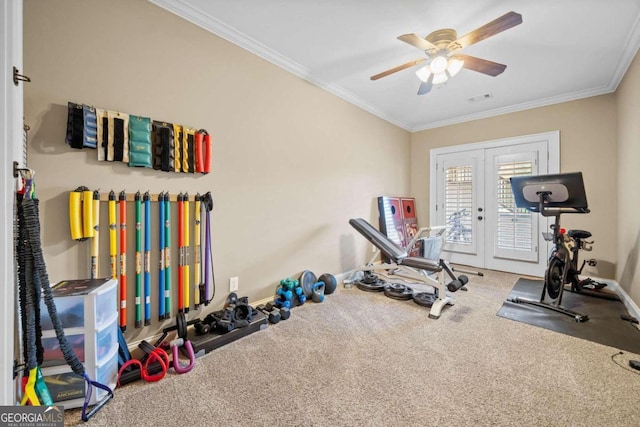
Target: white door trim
11,138
549,140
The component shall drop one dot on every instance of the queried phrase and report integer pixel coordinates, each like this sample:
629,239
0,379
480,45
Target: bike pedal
592,262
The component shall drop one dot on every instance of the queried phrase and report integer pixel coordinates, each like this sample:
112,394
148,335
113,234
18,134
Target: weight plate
424,299
181,324
370,278
398,291
307,280
553,278
378,286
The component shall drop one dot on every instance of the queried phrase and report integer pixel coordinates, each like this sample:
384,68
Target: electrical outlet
233,284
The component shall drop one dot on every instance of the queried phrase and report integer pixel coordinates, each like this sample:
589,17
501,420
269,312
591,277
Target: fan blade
425,87
494,27
480,65
417,41
398,68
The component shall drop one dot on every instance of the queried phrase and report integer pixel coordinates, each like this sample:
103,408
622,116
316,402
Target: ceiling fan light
439,78
455,65
423,73
438,64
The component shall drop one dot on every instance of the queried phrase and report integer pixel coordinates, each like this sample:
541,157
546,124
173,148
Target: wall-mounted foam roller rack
130,197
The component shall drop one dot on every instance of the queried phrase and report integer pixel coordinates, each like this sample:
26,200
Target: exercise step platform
210,342
204,343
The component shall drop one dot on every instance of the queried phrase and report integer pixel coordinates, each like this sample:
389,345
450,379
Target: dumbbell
282,303
273,314
202,328
206,326
285,294
285,312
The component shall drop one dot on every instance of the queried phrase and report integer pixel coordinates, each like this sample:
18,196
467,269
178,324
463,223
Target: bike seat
579,234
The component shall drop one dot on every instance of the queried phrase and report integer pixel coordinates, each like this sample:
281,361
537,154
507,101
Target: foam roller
87,213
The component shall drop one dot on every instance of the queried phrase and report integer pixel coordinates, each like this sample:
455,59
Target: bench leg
437,306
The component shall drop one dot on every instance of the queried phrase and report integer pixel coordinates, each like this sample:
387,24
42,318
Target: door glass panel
514,226
458,204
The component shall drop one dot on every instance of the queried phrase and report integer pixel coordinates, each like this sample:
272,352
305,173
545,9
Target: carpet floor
362,359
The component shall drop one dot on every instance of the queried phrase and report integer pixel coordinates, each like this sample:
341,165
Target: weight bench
409,269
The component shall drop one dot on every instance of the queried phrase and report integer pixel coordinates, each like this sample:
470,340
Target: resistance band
159,355
196,250
180,254
167,256
95,241
36,273
185,234
35,389
147,258
138,300
122,199
209,277
161,272
112,234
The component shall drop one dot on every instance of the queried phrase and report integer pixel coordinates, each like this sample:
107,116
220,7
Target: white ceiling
563,50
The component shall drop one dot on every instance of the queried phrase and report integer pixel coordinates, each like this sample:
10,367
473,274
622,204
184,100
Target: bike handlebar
559,211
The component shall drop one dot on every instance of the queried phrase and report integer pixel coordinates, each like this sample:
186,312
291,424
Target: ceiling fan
443,59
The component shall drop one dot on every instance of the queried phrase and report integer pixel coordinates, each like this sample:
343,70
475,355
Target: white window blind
514,227
458,203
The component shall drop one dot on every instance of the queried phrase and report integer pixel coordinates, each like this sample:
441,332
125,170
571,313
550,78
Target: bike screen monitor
560,191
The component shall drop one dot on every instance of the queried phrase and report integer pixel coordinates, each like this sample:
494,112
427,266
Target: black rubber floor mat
604,325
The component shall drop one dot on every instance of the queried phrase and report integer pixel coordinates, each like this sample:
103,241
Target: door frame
552,139
11,143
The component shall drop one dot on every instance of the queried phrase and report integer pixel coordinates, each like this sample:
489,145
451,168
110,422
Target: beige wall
292,163
628,178
587,143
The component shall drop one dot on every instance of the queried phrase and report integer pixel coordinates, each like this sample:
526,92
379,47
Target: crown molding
213,25
628,53
573,96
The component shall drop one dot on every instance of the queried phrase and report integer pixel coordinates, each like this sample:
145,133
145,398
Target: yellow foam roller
87,213
75,215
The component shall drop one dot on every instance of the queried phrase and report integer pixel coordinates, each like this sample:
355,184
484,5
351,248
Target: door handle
480,218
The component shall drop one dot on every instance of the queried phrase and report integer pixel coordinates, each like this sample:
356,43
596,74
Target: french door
473,198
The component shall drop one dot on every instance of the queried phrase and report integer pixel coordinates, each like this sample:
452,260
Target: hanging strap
209,276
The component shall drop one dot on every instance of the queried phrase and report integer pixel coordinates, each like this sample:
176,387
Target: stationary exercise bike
575,241
552,196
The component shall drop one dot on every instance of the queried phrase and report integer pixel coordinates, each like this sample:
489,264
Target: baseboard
631,306
340,277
